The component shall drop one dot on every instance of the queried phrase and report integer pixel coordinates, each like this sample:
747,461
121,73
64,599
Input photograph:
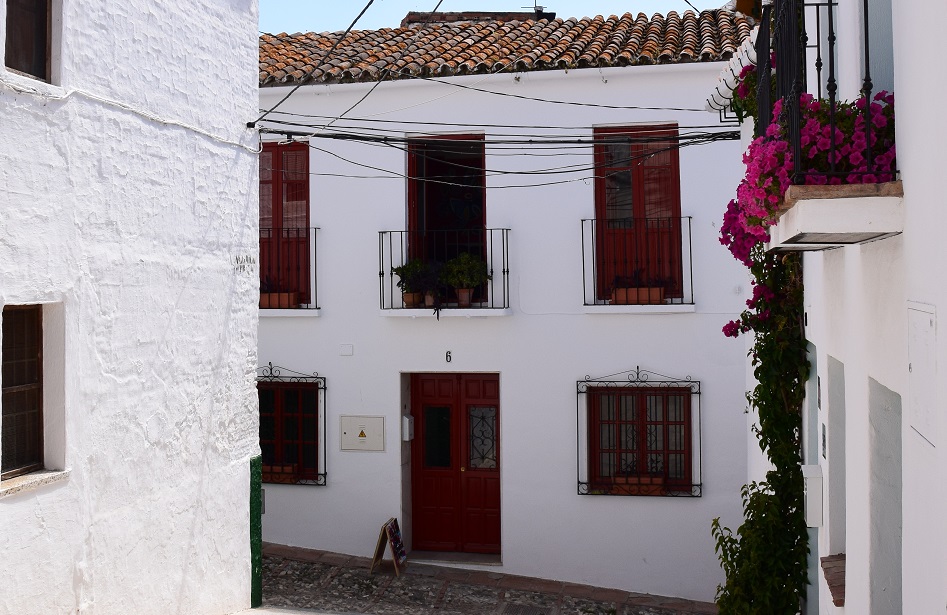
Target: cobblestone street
334,583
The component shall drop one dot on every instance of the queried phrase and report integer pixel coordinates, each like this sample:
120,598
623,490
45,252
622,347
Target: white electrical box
363,433
812,475
407,428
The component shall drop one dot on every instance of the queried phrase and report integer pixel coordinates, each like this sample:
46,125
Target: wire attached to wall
325,56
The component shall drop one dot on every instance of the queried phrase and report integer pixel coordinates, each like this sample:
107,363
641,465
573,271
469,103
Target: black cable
537,141
407,125
378,83
495,173
321,61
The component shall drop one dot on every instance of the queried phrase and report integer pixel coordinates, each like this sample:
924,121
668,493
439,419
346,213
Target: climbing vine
765,560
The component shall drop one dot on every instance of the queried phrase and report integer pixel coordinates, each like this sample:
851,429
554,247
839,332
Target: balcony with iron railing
429,270
844,187
637,261
288,269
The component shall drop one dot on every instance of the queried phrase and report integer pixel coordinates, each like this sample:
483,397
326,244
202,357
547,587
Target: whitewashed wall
874,308
129,196
656,545
921,129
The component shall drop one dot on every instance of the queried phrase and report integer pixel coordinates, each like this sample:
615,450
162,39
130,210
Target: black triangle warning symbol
361,434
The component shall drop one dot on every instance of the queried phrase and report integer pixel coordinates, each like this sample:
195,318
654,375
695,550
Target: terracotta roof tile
445,49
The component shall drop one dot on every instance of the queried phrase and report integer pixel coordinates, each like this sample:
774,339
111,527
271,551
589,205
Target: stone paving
334,583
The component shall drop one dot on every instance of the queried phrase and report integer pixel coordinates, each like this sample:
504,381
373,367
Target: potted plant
429,283
409,281
272,298
465,272
638,289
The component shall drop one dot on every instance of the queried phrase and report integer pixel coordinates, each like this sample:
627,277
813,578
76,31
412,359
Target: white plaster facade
874,418
129,199
541,346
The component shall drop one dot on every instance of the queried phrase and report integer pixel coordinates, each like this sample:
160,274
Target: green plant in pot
429,283
465,272
410,281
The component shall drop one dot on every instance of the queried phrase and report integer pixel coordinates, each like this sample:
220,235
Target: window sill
687,308
289,313
34,480
447,313
29,84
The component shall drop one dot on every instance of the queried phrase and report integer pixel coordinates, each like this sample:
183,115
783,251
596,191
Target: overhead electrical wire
369,92
442,179
443,81
407,125
321,61
532,141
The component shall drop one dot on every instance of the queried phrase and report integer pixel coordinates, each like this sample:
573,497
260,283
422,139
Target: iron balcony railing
288,268
796,48
637,261
431,251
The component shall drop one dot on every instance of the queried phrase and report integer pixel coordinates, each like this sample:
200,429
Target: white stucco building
874,287
532,432
128,245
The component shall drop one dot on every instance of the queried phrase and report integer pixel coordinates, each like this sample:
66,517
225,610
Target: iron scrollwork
275,373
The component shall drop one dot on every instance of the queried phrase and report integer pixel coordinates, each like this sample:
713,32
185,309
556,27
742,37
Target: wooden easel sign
390,533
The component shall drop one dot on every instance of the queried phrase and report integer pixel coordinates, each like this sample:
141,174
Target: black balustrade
637,261
424,283
288,268
793,64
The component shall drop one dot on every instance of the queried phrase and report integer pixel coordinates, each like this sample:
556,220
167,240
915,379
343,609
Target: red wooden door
456,462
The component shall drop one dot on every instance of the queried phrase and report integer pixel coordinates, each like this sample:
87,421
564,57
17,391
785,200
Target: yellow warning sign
361,434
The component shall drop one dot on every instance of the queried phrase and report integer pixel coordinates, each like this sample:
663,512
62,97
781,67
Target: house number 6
448,356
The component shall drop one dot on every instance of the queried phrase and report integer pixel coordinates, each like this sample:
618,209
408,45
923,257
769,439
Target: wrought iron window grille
275,374
431,251
621,256
288,278
650,474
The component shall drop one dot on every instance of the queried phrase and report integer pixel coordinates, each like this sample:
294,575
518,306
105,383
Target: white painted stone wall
547,342
129,195
874,307
921,128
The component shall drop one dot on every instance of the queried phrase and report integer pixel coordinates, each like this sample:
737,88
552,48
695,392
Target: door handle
463,469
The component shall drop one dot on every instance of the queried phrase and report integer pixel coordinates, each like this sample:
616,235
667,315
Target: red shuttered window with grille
638,210
289,431
640,440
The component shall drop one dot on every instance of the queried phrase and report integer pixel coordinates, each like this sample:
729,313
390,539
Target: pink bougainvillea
829,156
837,147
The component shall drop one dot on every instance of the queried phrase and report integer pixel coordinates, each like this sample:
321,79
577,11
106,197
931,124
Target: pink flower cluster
850,144
828,157
758,311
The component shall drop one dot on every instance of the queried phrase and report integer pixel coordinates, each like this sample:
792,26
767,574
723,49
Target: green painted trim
256,532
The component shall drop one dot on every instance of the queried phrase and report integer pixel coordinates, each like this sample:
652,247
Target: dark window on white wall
292,426
28,40
21,377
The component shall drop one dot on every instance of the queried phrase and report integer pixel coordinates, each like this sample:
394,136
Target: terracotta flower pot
644,295
463,296
412,300
279,300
